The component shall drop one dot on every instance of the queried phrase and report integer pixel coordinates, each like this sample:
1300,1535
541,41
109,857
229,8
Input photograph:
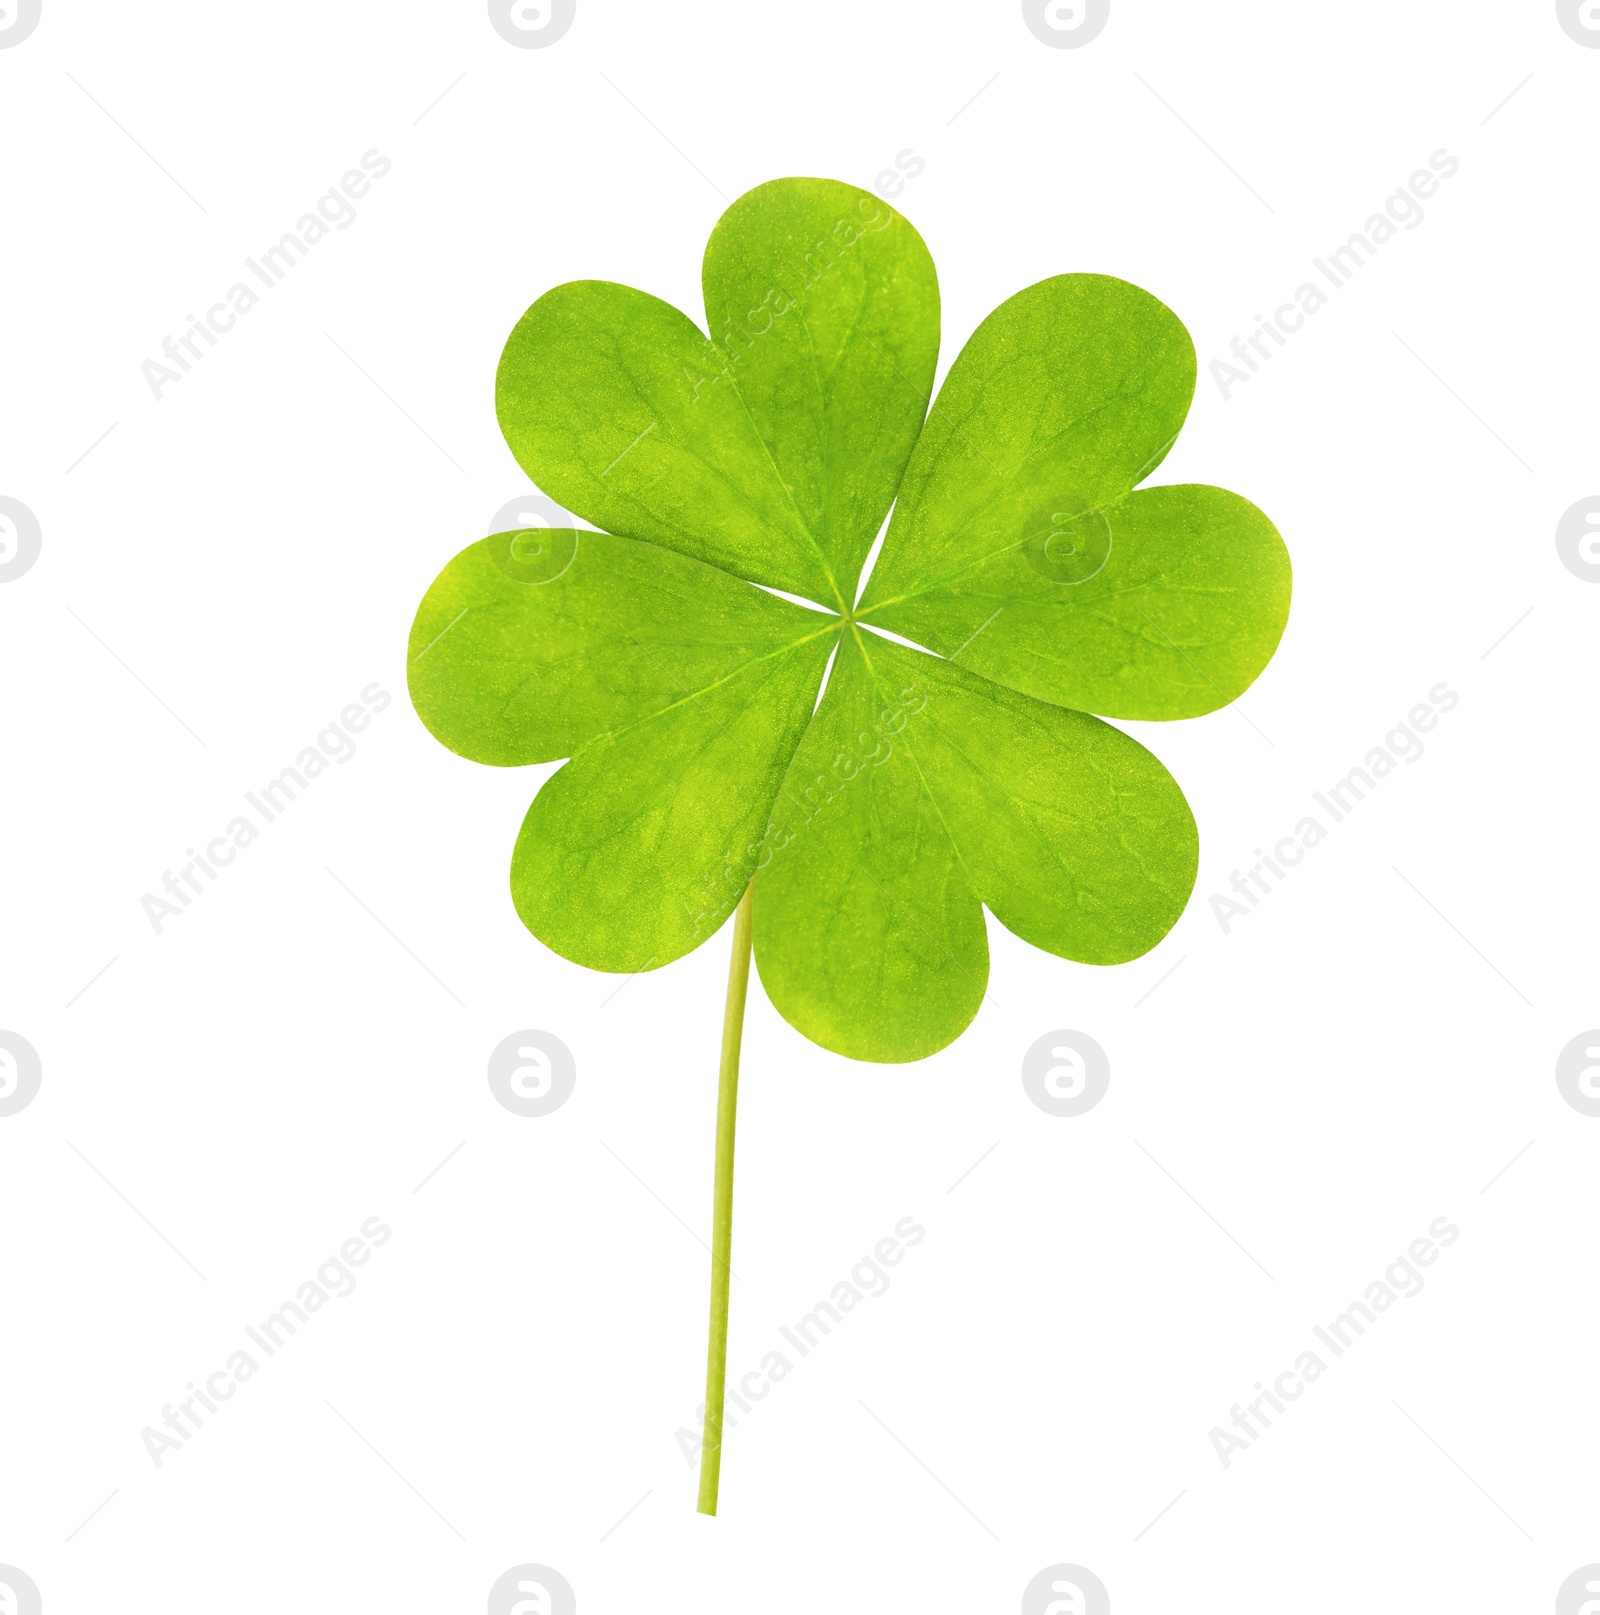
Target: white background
1361,1055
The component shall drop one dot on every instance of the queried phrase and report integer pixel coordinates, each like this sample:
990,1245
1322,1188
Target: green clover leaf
860,836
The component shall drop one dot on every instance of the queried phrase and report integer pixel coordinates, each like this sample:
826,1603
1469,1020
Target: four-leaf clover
677,655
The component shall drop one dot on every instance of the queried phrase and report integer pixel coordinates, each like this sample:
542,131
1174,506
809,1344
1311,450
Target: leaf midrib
744,667
788,492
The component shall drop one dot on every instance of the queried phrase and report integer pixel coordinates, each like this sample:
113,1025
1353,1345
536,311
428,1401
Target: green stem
722,1204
